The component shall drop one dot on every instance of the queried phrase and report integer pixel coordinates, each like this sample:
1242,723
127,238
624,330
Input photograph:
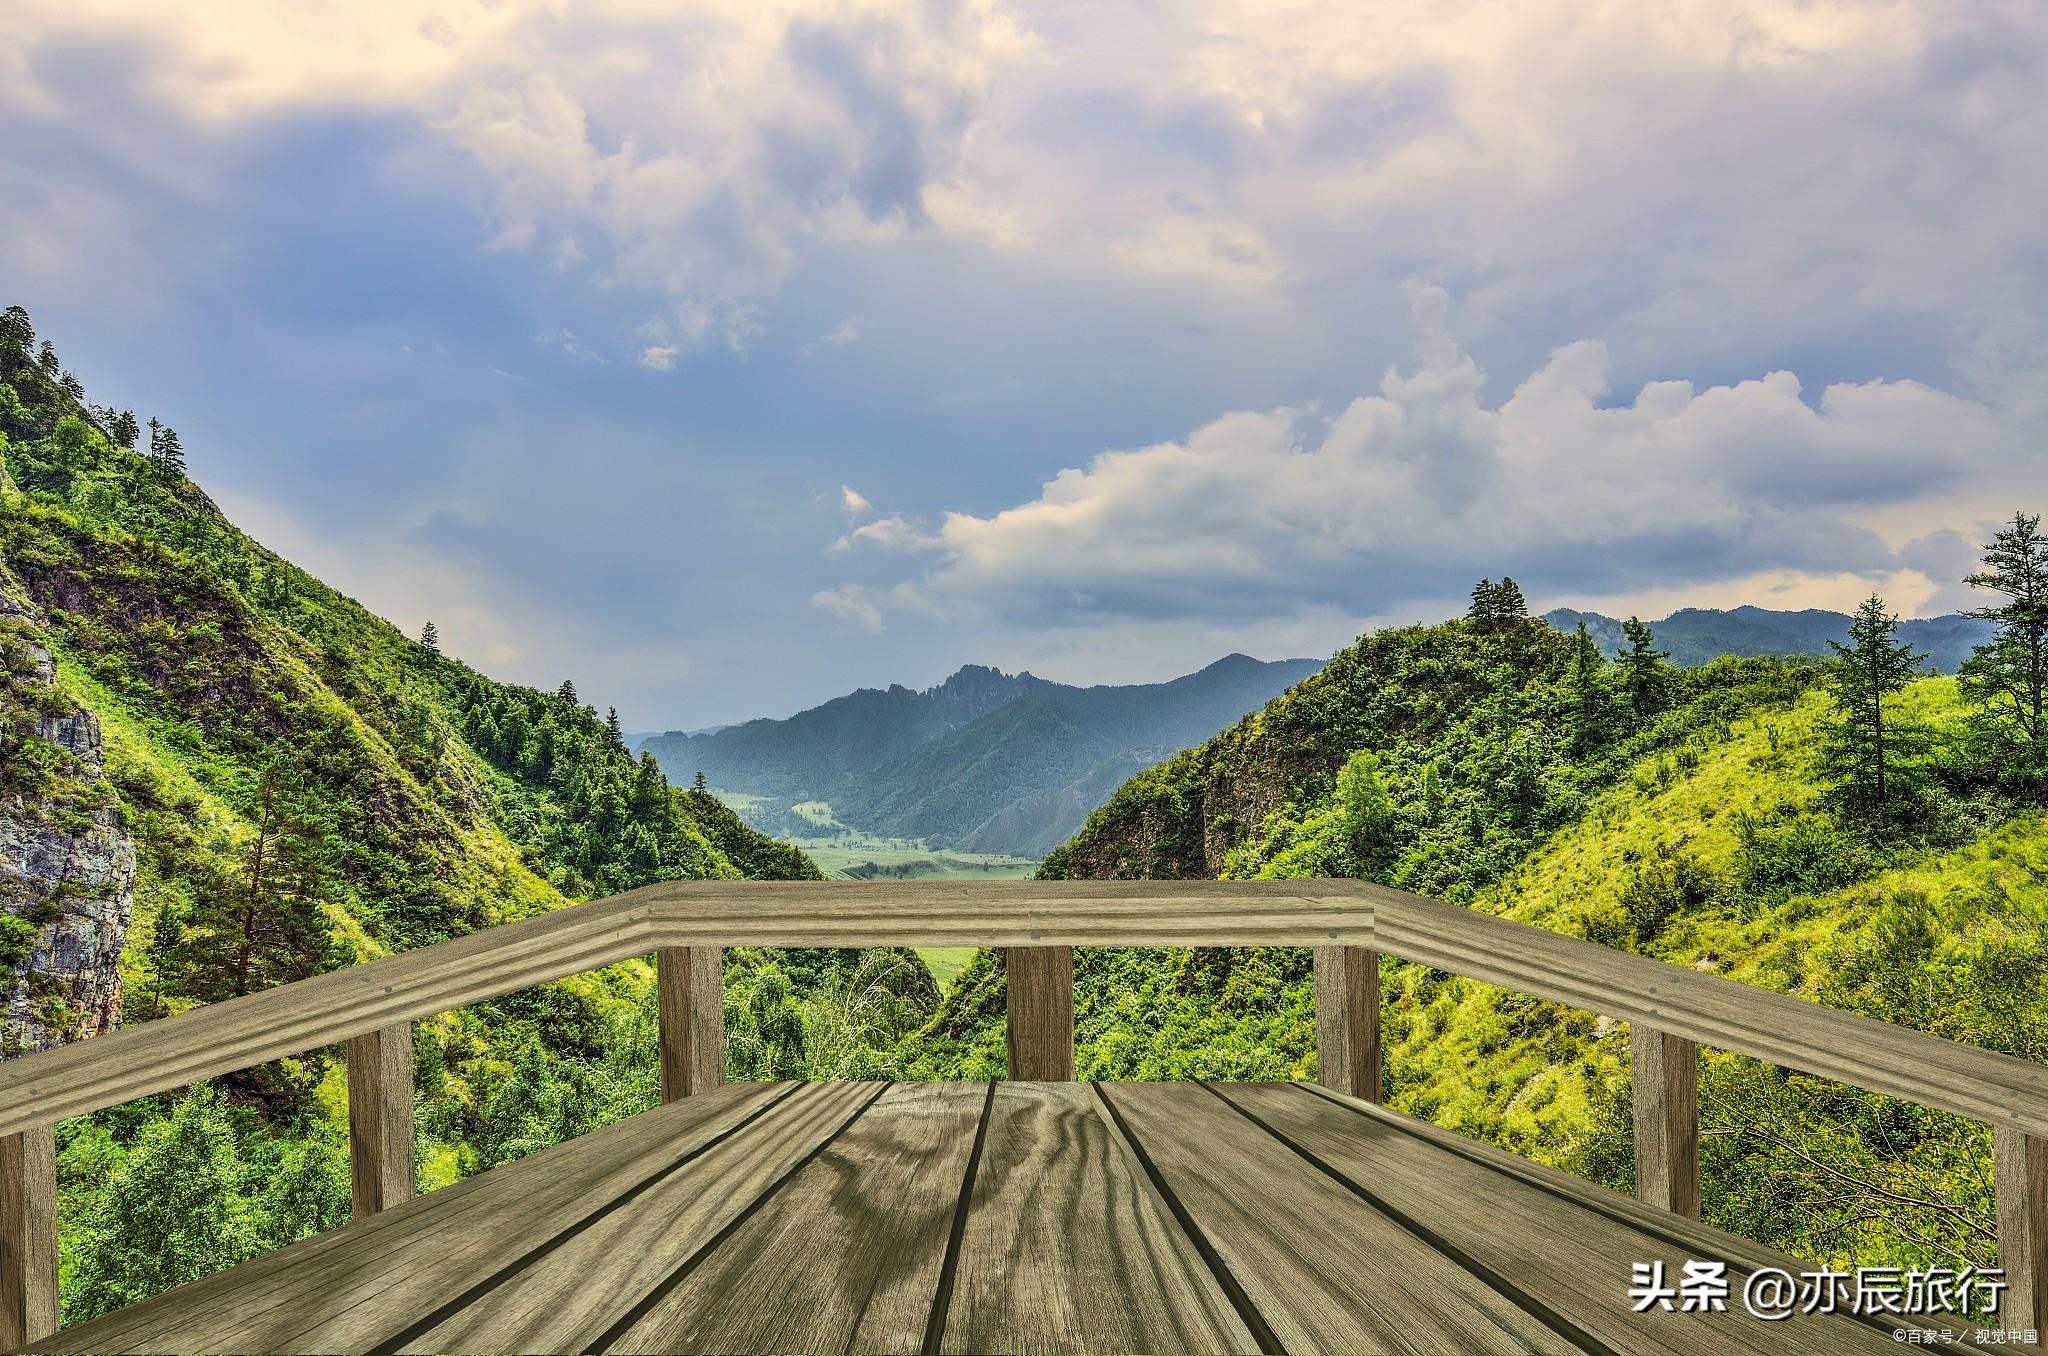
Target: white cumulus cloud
1411,492
850,605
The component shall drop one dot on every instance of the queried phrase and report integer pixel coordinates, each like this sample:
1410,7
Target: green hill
1481,766
985,762
217,774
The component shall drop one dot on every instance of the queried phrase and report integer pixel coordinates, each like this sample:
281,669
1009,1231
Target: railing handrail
1879,1056
1671,1010
238,1033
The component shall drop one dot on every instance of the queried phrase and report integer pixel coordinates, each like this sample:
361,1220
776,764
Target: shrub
1657,890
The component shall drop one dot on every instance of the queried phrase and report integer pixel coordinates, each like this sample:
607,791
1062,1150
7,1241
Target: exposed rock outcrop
67,866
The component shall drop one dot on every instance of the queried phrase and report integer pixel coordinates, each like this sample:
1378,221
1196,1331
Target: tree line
1876,755
19,348
1879,756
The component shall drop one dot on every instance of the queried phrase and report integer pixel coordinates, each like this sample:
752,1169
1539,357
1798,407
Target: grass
901,859
818,812
1470,1057
844,852
945,962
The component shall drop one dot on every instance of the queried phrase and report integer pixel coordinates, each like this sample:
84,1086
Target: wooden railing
1671,1011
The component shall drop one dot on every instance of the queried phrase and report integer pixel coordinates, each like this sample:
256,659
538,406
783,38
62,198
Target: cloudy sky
727,355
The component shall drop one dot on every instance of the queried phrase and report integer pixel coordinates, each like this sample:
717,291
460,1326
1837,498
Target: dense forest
293,785
304,787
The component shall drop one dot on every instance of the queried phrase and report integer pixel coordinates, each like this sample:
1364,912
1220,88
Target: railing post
28,1236
1347,982
1041,984
380,1134
1665,1071
2019,1167
690,1000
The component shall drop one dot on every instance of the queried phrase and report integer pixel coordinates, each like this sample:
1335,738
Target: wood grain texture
324,1010
845,1257
1009,913
1326,1271
1347,989
380,1131
570,1297
1704,1239
813,1218
1068,1248
28,1236
1664,1086
2019,1165
1040,1039
1876,1056
351,1289
1550,1246
2004,1092
690,998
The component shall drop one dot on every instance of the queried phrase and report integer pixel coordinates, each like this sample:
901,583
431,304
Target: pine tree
46,358
2006,679
17,335
164,447
1496,607
566,693
1589,697
430,638
1645,678
1866,746
612,729
1509,606
699,785
269,925
124,429
1485,609
650,788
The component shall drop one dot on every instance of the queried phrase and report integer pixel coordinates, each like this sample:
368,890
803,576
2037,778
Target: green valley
254,779
843,852
986,764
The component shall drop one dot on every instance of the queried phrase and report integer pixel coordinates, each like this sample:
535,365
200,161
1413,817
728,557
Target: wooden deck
1007,1217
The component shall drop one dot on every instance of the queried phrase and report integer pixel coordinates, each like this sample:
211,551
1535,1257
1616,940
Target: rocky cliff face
67,867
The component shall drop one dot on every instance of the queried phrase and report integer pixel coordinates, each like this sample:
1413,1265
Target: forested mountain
985,762
218,774
1721,817
1700,635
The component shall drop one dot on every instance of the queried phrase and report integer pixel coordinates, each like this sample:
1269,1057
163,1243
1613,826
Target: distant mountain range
1698,635
995,762
986,761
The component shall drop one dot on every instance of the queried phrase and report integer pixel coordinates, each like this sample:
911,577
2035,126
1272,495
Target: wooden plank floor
1013,1217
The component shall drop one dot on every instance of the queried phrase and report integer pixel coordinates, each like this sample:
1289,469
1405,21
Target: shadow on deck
1007,1217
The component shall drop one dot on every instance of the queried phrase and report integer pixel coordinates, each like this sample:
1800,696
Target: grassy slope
1949,940
1947,935
205,656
